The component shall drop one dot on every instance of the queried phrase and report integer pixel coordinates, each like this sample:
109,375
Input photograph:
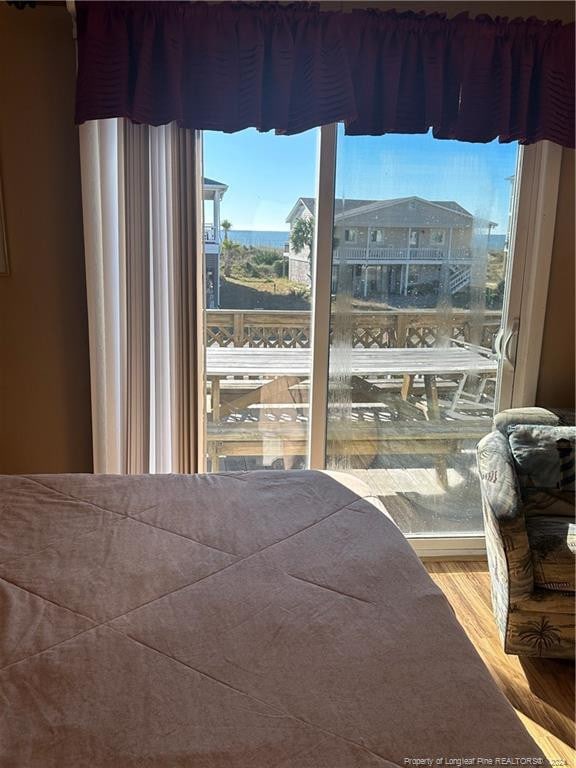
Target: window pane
258,218
417,301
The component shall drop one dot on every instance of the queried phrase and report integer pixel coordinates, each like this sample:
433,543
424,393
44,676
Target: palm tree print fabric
530,535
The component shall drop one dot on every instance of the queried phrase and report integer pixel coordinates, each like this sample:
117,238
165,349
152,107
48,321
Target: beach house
395,246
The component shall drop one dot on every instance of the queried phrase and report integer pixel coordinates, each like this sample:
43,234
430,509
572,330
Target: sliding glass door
420,251
361,308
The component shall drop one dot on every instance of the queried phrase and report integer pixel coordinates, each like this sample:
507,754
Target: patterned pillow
544,455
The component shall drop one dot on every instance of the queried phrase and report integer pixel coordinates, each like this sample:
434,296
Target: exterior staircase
459,278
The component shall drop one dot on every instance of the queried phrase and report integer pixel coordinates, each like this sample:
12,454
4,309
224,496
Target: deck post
401,330
238,329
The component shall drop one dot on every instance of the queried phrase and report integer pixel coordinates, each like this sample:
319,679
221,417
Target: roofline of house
299,201
218,185
377,204
390,203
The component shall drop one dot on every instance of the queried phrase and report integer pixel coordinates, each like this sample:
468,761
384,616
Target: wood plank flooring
540,690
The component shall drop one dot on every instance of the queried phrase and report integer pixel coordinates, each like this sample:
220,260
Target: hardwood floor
540,690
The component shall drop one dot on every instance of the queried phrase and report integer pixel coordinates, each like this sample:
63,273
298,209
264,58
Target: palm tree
226,246
226,226
540,635
302,234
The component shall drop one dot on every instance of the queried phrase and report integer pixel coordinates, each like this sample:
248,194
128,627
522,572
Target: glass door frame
322,295
528,271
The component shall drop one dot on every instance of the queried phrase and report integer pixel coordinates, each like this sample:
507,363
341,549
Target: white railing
377,255
460,279
460,254
210,233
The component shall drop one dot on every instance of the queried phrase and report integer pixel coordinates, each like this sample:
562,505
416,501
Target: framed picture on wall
4,264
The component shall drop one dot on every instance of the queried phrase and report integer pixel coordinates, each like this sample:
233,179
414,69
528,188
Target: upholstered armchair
526,470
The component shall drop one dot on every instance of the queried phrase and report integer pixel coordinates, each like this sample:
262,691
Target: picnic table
408,362
278,378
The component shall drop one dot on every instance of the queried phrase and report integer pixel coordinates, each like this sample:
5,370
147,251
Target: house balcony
375,255
211,240
210,235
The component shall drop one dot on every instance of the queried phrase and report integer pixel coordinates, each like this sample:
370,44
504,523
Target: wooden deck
423,470
540,690
407,484
409,487
403,417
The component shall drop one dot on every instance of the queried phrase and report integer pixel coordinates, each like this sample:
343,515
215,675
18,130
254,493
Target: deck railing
379,329
209,233
380,255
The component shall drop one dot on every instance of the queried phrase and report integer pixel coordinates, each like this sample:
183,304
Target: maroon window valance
229,66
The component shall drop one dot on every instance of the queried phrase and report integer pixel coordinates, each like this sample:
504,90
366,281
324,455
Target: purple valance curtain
229,66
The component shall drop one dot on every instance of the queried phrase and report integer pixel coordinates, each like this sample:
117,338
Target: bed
242,620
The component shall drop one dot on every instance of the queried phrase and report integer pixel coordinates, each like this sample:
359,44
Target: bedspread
242,620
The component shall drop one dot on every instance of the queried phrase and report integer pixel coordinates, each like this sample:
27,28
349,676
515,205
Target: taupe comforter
259,620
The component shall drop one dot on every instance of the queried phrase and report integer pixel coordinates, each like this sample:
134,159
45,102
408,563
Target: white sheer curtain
141,223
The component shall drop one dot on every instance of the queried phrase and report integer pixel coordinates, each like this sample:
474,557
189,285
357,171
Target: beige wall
44,379
556,381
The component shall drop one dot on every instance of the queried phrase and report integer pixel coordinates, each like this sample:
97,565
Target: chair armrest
500,490
507,542
533,415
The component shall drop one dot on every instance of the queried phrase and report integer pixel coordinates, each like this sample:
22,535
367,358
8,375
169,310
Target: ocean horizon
259,238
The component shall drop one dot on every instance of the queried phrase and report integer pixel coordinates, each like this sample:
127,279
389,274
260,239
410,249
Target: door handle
498,342
507,342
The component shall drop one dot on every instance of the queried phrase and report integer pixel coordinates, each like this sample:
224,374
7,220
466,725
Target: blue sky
267,173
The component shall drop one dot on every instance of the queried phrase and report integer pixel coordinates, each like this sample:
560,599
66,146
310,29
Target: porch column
216,216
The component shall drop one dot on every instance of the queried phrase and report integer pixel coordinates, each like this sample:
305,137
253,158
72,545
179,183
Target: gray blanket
249,620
